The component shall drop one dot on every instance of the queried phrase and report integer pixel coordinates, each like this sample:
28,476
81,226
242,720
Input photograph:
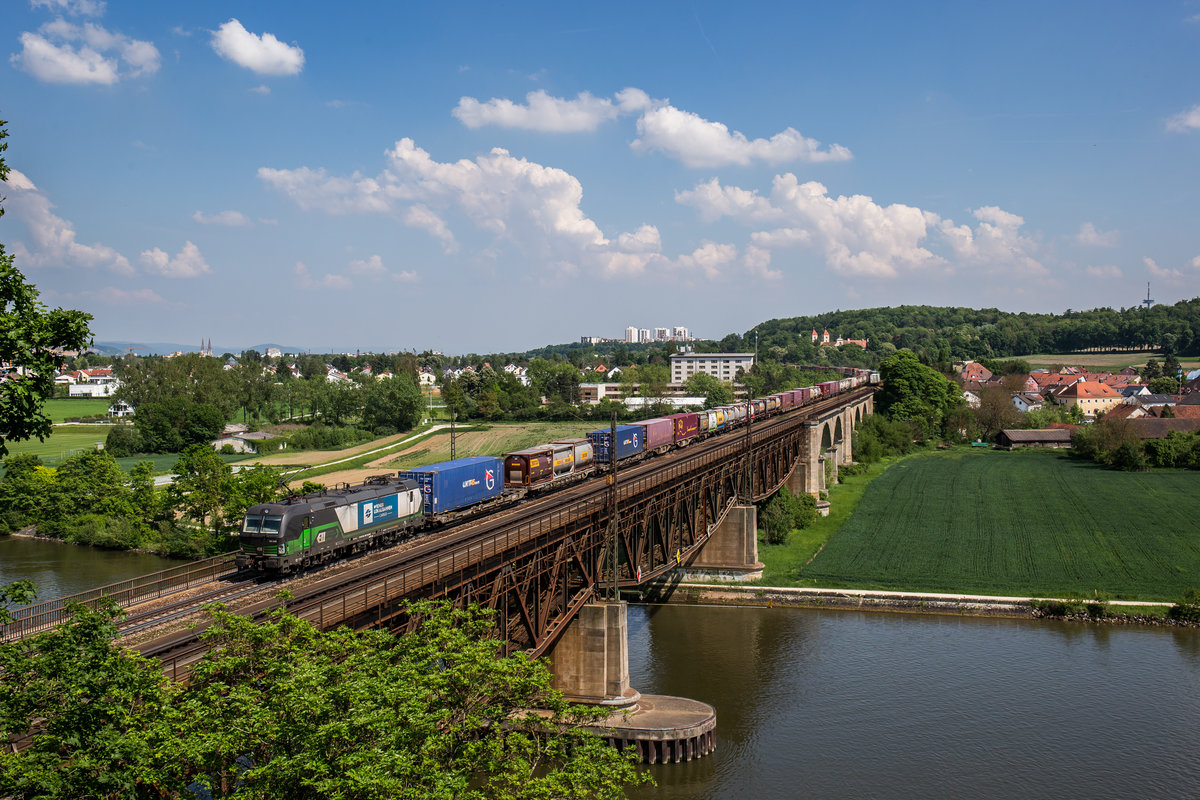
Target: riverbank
1139,613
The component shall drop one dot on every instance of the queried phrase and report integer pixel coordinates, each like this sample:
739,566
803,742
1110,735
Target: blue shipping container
452,485
629,442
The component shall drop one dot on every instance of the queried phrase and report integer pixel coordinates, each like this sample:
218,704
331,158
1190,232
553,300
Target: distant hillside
117,348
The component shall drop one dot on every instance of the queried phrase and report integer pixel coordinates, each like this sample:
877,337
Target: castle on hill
824,339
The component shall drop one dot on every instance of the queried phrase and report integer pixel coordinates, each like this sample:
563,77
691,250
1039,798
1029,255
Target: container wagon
455,485
629,442
687,427
659,434
529,467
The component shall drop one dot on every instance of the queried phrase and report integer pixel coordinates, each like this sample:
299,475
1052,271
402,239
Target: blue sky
480,177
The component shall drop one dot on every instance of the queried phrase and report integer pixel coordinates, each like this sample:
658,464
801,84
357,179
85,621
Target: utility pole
613,591
452,434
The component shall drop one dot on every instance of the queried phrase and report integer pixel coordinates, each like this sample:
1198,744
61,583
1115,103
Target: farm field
1100,362
1024,523
493,441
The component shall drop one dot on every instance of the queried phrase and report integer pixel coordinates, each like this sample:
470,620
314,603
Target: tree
199,488
996,411
29,332
714,391
914,392
394,402
1164,384
280,709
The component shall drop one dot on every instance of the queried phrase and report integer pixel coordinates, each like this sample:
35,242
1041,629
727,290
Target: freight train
313,529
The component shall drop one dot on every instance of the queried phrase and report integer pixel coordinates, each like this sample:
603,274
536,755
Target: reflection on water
849,704
58,569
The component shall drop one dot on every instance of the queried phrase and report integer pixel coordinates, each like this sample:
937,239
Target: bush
1187,609
228,449
320,436
1057,608
122,441
108,533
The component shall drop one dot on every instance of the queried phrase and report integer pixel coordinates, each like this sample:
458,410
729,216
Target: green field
66,440
61,409
1024,523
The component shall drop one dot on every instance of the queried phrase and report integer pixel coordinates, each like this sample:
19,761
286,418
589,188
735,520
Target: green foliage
210,494
393,403
786,512
320,436
878,437
984,522
1167,384
1111,442
280,709
915,393
18,593
1176,449
169,425
1188,607
714,391
123,441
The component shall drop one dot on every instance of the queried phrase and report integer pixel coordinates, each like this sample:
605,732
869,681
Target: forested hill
944,334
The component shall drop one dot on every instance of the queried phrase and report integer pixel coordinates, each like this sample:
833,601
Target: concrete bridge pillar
591,660
731,553
848,436
814,470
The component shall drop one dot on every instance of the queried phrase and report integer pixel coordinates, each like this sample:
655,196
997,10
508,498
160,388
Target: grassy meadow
1022,523
64,441
61,409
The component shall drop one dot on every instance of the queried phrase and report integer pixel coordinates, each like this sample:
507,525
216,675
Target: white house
94,383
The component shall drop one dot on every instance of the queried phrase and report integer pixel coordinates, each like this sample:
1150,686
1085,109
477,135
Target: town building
724,366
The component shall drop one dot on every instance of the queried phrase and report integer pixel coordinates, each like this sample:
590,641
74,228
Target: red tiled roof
1090,389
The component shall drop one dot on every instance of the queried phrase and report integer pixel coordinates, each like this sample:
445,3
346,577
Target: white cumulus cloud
328,281
52,238
1162,273
708,261
698,142
263,54
420,216
373,268
522,204
1185,121
63,52
1089,236
230,219
661,127
541,112
859,237
85,8
187,263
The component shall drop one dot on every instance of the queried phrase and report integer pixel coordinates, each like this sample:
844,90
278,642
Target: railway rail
479,549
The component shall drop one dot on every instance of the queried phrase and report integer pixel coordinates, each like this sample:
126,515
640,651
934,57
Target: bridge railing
45,615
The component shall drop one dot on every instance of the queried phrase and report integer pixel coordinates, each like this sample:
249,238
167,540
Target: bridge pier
591,665
591,660
731,553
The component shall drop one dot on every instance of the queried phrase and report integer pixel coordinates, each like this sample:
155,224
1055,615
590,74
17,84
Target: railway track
350,594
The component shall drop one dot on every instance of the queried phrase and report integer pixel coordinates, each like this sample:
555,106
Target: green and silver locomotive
321,527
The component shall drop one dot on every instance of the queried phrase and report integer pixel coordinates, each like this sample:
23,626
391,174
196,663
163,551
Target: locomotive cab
267,530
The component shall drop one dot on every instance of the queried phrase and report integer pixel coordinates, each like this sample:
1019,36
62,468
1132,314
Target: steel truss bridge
538,562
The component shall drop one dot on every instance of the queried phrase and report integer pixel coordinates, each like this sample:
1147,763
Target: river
842,704
839,704
58,569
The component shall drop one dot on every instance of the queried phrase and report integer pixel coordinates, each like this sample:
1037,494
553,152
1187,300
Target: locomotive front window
252,525
271,524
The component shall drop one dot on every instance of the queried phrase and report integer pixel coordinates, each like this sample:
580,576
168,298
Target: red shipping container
687,426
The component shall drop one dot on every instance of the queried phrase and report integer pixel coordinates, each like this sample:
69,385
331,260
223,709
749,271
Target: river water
839,704
58,569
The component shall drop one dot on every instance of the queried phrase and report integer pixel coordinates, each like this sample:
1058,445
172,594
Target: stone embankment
908,602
